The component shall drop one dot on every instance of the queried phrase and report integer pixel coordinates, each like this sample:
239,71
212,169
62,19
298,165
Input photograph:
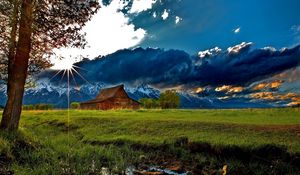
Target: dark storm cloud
151,66
238,65
243,66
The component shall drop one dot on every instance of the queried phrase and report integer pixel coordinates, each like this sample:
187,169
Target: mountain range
45,92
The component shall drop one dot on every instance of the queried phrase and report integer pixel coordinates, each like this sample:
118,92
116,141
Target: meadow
247,141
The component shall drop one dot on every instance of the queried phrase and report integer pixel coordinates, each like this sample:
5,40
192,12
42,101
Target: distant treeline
38,107
167,100
73,105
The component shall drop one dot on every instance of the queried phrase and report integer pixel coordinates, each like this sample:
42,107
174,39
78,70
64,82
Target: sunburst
70,73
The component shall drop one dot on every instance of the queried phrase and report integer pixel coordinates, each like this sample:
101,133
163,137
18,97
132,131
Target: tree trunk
17,75
13,36
12,44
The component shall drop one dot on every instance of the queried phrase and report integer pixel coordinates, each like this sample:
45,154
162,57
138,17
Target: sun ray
68,99
79,68
75,82
63,75
73,77
55,74
80,75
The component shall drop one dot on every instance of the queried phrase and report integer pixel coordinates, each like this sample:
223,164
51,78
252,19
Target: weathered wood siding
119,101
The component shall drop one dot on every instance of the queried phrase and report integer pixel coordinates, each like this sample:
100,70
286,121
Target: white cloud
141,5
210,52
177,19
113,31
270,48
154,15
236,49
165,14
108,31
237,30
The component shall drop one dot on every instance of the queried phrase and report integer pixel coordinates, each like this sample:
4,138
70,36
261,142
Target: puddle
152,169
146,170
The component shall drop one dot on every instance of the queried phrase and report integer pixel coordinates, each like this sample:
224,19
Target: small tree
28,107
75,105
149,103
169,99
43,106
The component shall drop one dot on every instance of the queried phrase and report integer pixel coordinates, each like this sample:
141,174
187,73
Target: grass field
82,142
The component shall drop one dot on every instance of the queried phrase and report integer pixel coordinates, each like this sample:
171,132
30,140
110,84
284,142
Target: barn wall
115,103
119,101
88,106
125,103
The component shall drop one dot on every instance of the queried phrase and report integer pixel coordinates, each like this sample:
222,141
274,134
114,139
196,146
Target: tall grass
203,139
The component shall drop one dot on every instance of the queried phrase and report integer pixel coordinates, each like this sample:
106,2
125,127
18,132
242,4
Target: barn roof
107,93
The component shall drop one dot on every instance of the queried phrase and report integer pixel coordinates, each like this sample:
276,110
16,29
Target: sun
62,64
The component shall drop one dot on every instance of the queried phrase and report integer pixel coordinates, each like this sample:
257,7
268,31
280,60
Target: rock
143,167
176,168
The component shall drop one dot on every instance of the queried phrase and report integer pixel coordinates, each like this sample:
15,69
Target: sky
187,25
222,49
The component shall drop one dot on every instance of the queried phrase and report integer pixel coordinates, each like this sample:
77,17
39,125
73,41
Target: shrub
28,107
38,107
169,99
75,105
43,106
149,103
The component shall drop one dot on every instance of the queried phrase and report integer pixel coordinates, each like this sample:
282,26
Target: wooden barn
111,98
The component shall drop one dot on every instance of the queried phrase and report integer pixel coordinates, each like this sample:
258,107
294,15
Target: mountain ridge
45,92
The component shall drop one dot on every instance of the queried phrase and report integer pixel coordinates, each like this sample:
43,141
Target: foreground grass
81,142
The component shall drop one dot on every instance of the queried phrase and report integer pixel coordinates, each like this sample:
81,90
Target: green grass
85,141
229,127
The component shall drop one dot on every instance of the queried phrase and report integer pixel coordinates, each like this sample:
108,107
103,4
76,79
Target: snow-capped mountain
45,92
142,91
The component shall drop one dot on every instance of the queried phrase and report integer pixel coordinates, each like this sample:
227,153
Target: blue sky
209,23
242,48
200,25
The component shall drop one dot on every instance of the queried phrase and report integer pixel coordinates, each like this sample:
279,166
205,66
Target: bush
169,100
43,107
149,103
38,107
75,105
28,107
